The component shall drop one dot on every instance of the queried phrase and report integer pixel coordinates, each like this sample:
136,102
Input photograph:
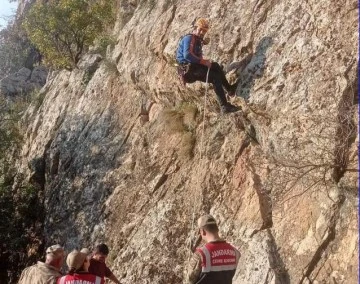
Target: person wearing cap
45,272
78,263
194,67
216,261
98,266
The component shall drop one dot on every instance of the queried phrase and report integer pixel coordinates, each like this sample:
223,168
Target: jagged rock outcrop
281,177
23,82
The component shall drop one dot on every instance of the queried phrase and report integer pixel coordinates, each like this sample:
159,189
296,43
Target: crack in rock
309,268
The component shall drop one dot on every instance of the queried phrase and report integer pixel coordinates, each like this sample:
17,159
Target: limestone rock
23,82
39,75
283,192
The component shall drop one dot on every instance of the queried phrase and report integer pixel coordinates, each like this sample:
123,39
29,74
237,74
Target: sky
6,9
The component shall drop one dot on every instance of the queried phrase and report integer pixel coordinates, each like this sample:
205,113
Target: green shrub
102,42
10,134
21,205
63,30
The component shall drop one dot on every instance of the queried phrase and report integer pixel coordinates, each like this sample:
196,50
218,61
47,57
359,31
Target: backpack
182,69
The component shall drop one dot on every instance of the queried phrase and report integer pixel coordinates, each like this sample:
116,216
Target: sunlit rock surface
129,159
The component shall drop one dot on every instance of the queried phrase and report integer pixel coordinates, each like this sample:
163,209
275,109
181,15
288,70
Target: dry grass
187,145
172,120
189,115
181,121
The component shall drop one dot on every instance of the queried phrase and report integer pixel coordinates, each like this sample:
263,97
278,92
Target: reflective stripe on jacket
80,278
218,262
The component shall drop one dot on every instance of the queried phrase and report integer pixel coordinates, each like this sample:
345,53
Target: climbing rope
203,126
201,156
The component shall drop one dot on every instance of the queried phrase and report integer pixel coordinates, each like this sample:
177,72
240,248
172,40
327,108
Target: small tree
322,156
62,30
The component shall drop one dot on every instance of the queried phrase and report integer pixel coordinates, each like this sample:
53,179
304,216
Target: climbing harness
197,196
182,69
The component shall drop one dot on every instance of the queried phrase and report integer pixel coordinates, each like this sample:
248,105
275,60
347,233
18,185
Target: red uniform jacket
218,262
80,278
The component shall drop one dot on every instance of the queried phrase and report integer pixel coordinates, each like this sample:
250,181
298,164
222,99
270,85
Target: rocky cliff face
129,156
23,82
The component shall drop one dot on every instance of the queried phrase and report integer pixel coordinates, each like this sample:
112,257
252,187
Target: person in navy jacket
194,66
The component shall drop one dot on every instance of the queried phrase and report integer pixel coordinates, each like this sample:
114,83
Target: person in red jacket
216,261
98,266
78,264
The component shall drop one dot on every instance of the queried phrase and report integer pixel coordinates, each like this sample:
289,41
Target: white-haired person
45,272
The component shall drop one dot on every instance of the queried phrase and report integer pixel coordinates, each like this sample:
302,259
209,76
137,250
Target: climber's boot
228,108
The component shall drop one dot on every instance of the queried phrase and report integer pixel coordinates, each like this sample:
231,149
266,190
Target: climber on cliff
45,272
216,261
98,266
193,67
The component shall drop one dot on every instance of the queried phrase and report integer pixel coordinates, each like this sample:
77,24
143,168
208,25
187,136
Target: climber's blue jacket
190,50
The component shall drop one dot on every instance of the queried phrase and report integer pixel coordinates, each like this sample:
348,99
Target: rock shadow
254,68
277,265
81,153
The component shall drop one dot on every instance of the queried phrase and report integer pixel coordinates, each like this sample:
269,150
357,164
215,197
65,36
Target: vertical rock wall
281,177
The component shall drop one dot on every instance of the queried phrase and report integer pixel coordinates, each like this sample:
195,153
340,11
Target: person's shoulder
187,37
230,244
94,262
97,264
234,247
31,268
28,274
48,269
26,271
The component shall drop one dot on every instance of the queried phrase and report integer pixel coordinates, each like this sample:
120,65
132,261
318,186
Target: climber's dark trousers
197,72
